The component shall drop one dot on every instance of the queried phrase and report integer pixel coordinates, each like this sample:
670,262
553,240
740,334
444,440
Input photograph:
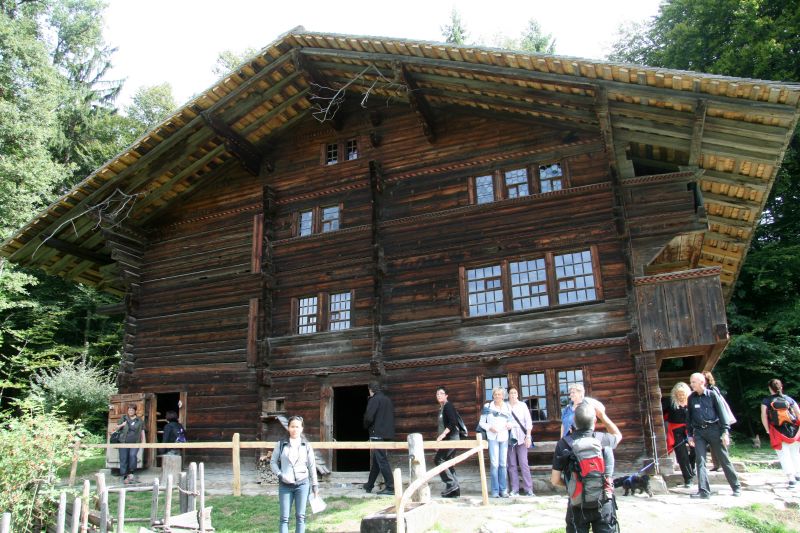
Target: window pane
575,277
517,183
306,222
534,393
490,383
550,177
487,290
331,154
529,284
339,311
330,218
484,189
565,379
352,149
307,315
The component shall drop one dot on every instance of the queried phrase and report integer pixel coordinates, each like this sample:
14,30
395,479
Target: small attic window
550,177
352,149
331,154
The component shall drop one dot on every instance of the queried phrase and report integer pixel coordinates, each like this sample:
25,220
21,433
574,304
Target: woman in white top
496,420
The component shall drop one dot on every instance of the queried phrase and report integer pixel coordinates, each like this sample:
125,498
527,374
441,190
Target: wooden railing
236,445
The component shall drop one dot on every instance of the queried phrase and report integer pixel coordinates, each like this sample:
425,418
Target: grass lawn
246,514
764,519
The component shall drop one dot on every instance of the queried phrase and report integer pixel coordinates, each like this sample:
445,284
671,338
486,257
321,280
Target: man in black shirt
379,421
602,520
447,429
708,426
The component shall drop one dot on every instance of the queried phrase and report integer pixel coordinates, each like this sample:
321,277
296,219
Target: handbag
513,440
116,437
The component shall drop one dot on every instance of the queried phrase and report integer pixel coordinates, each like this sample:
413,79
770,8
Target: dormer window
340,151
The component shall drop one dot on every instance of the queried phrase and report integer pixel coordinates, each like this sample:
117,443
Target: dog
633,483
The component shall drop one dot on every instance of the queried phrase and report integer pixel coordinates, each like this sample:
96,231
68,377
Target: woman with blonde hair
496,420
676,414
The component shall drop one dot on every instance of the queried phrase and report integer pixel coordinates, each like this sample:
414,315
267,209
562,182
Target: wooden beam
249,155
697,132
736,180
727,238
731,201
734,223
76,251
419,104
275,111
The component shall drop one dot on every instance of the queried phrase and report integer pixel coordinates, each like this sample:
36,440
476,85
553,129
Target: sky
178,41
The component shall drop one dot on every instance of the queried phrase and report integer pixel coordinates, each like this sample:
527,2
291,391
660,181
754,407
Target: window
485,292
533,391
322,312
306,222
330,218
518,182
538,282
489,385
339,312
575,277
550,177
565,379
307,315
331,154
484,189
352,149
318,220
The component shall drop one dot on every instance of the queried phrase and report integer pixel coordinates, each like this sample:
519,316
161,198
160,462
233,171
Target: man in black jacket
379,421
447,430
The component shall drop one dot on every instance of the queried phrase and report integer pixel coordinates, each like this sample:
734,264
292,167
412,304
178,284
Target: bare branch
327,101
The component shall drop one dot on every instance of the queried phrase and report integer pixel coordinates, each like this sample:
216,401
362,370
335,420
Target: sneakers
701,495
526,493
513,494
452,492
504,494
367,488
388,491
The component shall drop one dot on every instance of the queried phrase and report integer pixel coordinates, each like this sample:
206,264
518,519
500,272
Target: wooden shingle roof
735,129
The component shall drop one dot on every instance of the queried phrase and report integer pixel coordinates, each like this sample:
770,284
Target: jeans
288,493
711,437
498,455
380,463
127,460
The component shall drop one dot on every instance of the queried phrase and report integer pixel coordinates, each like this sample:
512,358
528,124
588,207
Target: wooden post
170,465
154,503
237,481
77,505
398,496
102,501
182,496
482,469
121,509
85,506
191,502
416,467
73,471
202,496
62,513
5,524
168,503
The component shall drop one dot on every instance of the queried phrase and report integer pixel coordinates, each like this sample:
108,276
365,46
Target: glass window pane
573,284
487,300
484,189
306,223
534,393
517,183
339,313
529,288
330,218
307,315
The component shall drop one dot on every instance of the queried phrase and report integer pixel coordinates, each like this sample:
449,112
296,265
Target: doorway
349,404
169,401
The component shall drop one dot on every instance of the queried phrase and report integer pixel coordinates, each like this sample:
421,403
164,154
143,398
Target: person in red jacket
784,438
676,414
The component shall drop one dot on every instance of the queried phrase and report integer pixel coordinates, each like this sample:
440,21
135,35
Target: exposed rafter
418,103
247,153
77,251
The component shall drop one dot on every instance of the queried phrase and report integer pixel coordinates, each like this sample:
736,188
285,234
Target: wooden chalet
343,208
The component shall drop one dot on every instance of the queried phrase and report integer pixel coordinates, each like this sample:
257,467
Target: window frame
533,176
341,145
323,312
316,219
505,280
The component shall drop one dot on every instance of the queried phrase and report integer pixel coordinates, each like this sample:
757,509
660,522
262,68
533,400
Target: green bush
33,445
80,391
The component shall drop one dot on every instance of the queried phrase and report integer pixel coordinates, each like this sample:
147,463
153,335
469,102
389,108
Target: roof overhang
735,130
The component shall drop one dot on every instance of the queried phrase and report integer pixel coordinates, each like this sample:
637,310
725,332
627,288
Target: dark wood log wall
218,282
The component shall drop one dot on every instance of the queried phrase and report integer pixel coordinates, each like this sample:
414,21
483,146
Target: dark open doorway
167,401
349,404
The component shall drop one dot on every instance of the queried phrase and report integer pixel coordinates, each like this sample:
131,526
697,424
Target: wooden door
117,408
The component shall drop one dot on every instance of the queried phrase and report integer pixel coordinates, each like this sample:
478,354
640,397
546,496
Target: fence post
168,503
102,498
417,468
77,505
73,471
482,468
121,510
61,518
154,503
5,524
202,519
191,502
398,497
85,506
182,496
237,481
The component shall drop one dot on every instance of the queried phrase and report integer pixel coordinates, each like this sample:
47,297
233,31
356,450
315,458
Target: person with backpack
294,464
709,427
173,432
496,421
379,421
583,462
448,429
780,417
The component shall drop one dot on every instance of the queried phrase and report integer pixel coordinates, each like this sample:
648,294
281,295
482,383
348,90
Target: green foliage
454,32
759,518
228,61
32,447
532,40
151,105
80,391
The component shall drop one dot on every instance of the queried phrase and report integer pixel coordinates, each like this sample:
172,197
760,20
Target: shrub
80,391
32,447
